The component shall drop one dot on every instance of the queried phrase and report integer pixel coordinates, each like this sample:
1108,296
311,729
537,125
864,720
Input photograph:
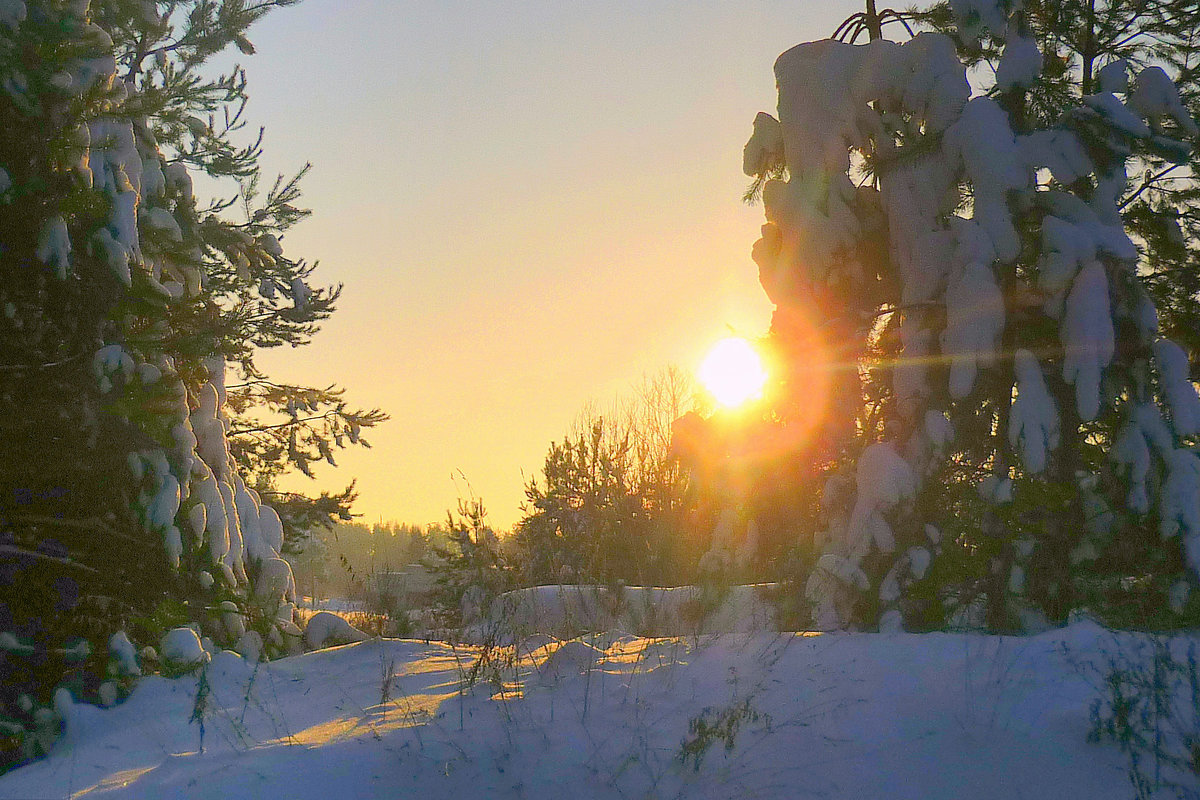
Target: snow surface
1132,449
325,627
1033,424
974,322
1087,337
1114,76
838,715
825,92
1178,387
181,647
1181,503
1116,114
883,480
1020,65
1156,96
54,246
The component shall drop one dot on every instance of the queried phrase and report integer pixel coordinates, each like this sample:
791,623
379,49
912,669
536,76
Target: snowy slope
826,715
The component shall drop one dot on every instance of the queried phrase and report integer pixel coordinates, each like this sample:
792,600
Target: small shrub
1150,707
714,725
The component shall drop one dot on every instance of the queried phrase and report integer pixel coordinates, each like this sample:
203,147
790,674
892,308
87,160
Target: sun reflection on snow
407,711
117,780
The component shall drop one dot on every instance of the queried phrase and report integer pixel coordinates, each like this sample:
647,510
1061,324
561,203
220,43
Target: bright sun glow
733,372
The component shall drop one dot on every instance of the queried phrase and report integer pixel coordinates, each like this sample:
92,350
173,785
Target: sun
733,372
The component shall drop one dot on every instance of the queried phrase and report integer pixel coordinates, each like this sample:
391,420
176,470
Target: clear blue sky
531,205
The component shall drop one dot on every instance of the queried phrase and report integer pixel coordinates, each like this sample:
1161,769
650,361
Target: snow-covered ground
836,715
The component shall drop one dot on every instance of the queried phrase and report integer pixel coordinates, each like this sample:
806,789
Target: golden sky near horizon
530,205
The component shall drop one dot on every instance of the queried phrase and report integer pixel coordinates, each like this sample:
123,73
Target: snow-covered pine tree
1091,47
130,475
1033,424
612,496
1083,42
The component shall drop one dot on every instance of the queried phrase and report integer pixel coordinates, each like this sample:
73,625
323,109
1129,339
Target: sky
531,206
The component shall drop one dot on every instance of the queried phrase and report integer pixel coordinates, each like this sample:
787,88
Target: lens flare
733,372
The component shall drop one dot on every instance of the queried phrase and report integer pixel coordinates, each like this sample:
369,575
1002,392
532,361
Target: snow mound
326,628
181,648
571,659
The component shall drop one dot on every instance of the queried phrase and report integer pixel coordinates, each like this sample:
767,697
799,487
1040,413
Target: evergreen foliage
131,475
472,568
1078,40
612,501
1011,428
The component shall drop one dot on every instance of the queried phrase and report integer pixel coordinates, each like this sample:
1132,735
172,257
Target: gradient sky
531,206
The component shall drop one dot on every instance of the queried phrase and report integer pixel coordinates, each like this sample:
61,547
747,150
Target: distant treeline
338,561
